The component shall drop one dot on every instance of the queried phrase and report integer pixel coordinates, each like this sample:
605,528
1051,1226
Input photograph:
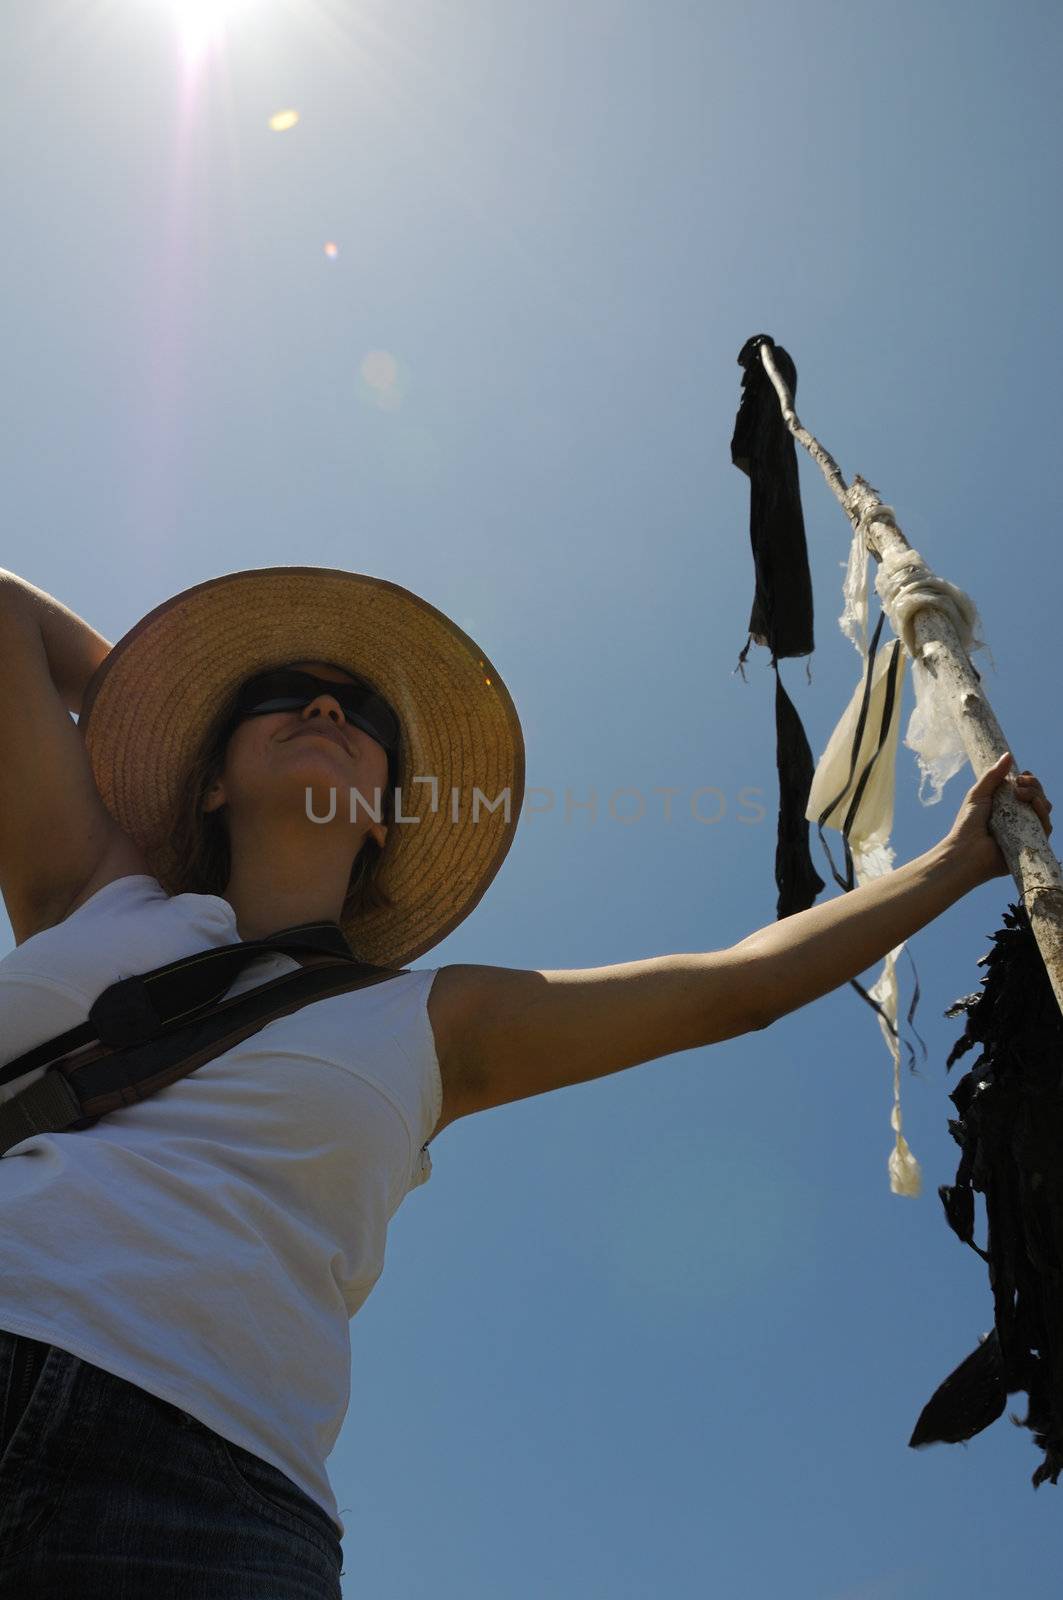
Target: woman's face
314,747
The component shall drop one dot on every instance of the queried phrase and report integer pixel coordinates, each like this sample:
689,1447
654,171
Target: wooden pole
1016,827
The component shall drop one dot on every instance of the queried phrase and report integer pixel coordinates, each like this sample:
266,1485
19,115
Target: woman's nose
324,702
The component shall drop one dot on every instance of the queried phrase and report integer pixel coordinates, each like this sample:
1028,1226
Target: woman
179,1277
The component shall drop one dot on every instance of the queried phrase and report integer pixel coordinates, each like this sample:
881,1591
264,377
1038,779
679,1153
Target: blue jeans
108,1493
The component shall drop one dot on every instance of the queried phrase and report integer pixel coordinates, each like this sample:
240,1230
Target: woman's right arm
73,650
56,834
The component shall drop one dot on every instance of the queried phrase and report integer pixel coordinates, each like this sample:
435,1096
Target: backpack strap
135,1008
77,1090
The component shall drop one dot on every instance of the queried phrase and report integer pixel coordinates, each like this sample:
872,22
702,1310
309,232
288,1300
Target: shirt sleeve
421,1046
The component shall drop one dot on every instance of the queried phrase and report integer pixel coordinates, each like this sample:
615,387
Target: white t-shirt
211,1243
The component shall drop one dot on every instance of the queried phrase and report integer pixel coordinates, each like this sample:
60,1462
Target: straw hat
152,699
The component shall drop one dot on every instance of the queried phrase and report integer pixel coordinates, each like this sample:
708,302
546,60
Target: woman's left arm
503,1034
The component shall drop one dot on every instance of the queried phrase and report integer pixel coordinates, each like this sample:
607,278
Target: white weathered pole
1016,827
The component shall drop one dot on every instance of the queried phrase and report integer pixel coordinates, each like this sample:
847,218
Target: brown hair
201,838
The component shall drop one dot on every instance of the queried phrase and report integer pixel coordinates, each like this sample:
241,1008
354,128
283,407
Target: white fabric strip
904,584
869,835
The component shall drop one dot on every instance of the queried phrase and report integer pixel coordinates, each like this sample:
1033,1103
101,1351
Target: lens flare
381,375
201,23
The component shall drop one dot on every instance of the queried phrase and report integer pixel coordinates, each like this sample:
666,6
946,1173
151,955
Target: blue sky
668,1332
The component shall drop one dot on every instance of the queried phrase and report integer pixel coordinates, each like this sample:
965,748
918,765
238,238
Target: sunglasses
286,689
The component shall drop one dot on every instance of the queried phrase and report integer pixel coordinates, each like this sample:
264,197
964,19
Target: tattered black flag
781,619
1010,1130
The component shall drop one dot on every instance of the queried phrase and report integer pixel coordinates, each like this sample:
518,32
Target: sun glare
201,23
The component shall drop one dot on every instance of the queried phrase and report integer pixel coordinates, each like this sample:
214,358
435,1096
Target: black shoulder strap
135,1008
80,1089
